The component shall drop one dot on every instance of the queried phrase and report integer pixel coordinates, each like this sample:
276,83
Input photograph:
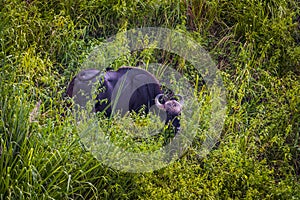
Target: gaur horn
157,103
181,100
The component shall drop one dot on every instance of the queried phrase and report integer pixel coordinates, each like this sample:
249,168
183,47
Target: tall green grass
256,47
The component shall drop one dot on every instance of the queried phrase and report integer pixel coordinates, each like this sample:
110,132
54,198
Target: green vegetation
256,45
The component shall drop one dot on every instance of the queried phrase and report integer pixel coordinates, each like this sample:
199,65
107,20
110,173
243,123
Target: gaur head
173,109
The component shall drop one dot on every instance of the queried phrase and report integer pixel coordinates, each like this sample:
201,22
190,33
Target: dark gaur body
127,89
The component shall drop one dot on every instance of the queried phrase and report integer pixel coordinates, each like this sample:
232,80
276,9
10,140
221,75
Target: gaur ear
157,103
